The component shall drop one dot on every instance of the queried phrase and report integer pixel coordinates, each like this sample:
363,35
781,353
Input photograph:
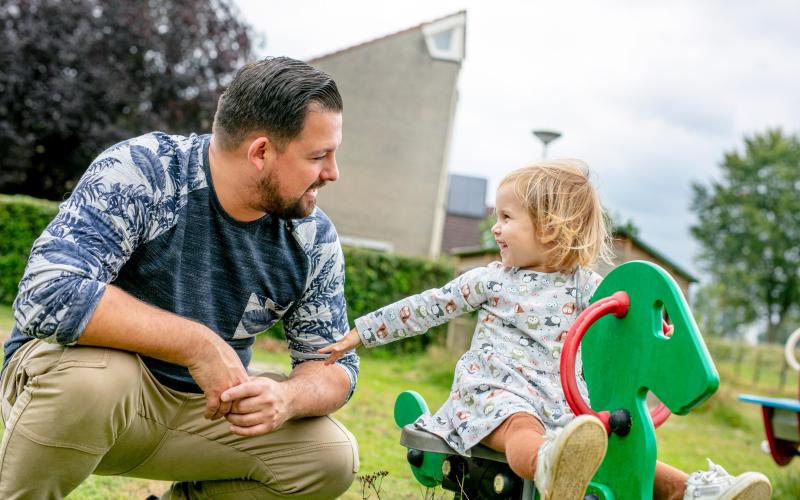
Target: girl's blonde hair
565,210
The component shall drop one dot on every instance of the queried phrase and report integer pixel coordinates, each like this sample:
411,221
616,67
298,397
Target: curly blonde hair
566,211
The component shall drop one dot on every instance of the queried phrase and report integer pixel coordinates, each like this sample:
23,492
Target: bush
373,279
22,220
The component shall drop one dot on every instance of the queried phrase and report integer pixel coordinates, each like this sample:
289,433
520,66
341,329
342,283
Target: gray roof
467,196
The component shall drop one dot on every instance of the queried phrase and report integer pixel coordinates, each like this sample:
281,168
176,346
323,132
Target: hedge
373,279
22,220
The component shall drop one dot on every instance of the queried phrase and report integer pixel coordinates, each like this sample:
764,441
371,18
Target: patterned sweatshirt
513,362
145,217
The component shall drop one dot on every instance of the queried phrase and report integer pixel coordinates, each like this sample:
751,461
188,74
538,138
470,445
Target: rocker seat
418,439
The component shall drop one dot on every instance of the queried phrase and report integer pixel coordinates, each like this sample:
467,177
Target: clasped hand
258,406
252,405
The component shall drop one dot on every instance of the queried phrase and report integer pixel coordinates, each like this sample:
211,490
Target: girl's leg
519,437
570,456
669,483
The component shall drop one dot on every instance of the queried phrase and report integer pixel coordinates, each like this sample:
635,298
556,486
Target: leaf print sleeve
320,317
419,313
82,249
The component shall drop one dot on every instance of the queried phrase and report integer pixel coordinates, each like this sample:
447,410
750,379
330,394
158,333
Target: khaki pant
74,411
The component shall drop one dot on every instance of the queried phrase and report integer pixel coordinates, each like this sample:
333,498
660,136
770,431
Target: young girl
507,390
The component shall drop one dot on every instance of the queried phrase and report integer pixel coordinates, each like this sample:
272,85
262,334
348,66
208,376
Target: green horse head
625,358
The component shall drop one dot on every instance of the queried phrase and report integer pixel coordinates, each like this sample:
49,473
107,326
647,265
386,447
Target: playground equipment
782,415
628,351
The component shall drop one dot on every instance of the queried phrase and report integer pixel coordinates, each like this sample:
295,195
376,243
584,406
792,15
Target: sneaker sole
582,453
752,486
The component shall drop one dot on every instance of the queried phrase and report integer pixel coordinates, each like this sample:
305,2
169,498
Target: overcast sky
650,94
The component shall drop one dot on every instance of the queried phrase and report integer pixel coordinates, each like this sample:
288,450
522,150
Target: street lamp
546,136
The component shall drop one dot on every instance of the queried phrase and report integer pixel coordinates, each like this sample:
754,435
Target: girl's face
515,234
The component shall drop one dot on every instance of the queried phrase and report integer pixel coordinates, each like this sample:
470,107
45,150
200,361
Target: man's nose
331,170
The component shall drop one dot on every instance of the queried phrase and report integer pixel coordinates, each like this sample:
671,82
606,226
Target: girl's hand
337,350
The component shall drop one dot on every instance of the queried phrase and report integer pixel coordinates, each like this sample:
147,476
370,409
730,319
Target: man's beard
272,202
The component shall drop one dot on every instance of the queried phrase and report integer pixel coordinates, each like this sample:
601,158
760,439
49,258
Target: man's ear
260,152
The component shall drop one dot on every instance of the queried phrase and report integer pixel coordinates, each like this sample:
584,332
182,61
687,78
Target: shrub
22,220
375,279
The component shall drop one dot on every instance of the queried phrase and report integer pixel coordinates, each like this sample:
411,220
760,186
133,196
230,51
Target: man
141,300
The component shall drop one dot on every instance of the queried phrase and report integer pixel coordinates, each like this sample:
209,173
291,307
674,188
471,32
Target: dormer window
445,37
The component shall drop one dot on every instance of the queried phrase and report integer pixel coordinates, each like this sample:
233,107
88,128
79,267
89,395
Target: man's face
290,188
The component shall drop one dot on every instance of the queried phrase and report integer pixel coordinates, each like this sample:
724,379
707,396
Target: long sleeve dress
513,361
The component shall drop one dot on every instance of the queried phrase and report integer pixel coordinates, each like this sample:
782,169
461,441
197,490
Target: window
445,37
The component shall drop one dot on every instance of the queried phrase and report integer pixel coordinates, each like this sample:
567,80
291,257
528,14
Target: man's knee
338,468
323,463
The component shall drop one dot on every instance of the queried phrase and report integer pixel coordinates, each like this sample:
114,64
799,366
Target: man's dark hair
272,96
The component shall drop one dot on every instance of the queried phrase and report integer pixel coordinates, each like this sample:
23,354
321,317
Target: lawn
723,429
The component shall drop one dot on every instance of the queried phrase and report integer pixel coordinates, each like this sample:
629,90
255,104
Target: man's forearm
317,389
121,321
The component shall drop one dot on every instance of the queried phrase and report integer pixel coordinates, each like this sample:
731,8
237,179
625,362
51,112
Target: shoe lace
715,473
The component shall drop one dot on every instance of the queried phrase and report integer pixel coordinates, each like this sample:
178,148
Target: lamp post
546,136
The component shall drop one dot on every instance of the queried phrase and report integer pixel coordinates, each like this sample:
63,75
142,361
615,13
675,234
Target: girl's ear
548,235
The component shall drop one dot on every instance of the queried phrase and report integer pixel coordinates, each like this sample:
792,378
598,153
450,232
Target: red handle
618,305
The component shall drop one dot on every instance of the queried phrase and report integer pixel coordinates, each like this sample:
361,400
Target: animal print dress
513,362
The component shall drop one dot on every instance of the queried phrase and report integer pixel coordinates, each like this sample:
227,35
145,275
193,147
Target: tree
749,230
80,75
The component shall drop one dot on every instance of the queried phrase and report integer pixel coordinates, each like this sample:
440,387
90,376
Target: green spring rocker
628,350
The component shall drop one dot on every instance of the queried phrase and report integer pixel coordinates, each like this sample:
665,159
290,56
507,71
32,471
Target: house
466,210
400,97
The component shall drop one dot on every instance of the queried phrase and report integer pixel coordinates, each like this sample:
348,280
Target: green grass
723,429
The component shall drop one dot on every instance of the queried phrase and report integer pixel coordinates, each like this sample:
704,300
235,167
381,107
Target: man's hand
156,333
216,368
259,406
337,350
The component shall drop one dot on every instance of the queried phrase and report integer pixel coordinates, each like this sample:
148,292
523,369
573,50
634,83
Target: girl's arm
416,314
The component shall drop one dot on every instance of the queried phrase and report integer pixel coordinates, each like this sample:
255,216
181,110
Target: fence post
784,370
757,373
739,357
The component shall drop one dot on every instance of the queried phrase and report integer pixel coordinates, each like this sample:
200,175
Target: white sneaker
569,457
717,484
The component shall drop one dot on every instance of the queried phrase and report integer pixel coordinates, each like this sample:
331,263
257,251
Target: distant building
400,97
466,208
